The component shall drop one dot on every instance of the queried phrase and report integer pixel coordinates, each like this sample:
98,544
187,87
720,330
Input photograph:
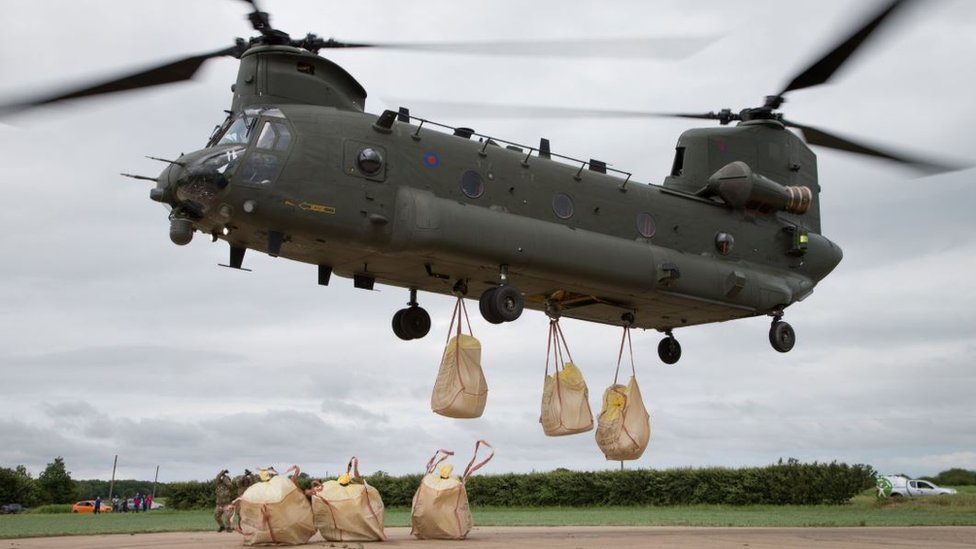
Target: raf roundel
432,160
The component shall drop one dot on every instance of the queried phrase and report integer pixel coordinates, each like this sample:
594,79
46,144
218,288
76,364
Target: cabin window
472,185
646,226
562,205
370,161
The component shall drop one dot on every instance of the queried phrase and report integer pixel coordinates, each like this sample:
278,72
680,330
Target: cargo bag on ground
275,512
460,390
347,509
565,398
440,505
624,426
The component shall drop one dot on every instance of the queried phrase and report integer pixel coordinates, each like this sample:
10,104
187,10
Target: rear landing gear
781,335
502,303
669,350
412,322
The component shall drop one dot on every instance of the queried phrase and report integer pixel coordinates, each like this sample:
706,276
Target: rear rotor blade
830,140
820,71
175,71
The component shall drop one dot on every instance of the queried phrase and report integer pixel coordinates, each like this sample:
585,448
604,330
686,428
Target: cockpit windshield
239,132
236,130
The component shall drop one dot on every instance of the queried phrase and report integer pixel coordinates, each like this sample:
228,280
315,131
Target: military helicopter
299,170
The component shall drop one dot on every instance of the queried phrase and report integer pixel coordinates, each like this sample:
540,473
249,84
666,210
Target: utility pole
154,483
111,485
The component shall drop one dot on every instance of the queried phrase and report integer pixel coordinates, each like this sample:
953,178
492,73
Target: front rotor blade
822,138
631,48
176,71
820,71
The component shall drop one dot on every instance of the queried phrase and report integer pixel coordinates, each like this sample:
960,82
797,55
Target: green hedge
191,495
785,483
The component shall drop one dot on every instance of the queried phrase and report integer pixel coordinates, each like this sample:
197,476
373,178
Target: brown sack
460,390
347,510
565,397
275,512
440,505
624,426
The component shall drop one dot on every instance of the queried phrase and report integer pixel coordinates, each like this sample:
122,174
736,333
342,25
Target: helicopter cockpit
237,129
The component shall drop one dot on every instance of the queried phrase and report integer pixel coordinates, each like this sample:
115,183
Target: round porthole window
562,205
472,185
370,161
645,225
724,243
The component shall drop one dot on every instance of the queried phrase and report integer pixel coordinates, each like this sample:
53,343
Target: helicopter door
264,161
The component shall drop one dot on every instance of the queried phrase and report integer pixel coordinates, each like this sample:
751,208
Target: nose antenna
143,177
174,162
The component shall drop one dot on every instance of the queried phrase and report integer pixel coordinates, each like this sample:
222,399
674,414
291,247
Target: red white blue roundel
431,159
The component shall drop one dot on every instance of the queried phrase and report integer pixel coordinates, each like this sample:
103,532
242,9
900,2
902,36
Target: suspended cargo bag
460,390
347,509
275,512
624,426
565,398
440,506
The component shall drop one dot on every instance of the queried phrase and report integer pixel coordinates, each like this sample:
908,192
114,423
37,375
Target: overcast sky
115,341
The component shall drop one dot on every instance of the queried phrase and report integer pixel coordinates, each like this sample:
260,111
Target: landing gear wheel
669,350
501,304
398,326
411,323
781,336
507,302
484,304
415,322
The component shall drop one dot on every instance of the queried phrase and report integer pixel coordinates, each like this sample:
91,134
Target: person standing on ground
98,504
225,494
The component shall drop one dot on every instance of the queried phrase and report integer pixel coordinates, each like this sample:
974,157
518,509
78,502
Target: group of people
227,490
121,505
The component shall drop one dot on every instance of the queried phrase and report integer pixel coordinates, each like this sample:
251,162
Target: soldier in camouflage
225,495
241,483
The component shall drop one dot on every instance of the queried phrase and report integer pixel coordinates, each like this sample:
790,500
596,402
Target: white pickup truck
899,486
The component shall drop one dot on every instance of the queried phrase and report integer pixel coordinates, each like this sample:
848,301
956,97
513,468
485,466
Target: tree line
786,482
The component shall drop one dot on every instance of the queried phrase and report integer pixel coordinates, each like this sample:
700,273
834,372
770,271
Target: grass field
959,510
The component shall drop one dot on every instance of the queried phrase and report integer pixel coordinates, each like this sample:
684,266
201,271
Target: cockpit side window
274,135
262,165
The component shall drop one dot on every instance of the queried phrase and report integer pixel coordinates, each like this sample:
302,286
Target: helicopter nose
197,187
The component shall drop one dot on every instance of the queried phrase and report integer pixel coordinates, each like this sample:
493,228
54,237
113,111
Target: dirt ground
569,538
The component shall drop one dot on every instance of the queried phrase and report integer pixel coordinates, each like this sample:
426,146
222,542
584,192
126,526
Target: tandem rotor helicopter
299,170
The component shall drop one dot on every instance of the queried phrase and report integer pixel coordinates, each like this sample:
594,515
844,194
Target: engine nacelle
743,189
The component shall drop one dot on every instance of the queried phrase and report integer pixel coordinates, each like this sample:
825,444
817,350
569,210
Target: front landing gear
412,322
781,335
669,350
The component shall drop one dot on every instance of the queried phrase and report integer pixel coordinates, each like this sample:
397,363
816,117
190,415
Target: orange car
88,506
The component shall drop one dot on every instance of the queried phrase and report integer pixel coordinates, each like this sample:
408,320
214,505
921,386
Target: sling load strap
455,329
471,468
354,467
555,347
620,355
294,477
266,517
435,460
236,504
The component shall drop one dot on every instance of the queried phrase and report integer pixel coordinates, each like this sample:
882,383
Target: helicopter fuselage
378,200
